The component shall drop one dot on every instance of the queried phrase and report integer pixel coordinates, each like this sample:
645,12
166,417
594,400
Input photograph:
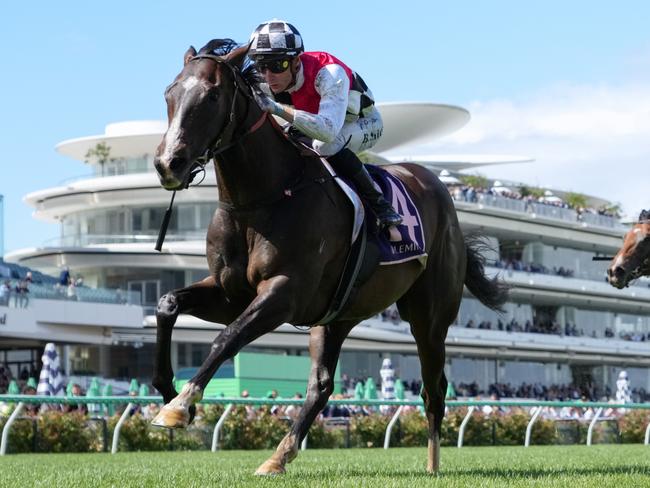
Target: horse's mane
221,47
645,215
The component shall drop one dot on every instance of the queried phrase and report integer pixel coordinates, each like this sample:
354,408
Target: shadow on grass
504,473
542,473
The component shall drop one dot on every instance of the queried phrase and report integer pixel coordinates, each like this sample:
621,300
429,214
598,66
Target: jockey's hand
266,103
269,105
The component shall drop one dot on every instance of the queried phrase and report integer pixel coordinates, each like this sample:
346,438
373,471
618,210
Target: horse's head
200,107
633,259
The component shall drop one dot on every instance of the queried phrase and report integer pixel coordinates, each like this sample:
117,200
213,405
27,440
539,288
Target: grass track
601,466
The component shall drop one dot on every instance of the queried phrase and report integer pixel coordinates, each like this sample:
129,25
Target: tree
576,200
477,181
532,191
101,154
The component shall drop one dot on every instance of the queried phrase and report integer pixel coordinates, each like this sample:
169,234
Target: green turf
572,466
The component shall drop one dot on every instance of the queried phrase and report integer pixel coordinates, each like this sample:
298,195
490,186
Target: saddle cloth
401,243
368,248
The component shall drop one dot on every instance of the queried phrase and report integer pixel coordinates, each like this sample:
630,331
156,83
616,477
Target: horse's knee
319,391
167,306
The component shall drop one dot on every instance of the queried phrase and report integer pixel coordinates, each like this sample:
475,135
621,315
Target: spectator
64,277
76,391
5,293
31,409
72,291
293,411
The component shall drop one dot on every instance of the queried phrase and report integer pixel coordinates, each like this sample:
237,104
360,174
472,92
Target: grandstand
564,329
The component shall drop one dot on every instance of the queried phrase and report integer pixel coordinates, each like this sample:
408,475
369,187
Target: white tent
550,198
499,187
447,178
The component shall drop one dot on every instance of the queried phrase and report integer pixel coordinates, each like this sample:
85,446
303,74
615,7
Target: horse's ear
237,56
189,54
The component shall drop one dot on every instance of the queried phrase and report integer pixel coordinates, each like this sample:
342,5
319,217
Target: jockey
323,99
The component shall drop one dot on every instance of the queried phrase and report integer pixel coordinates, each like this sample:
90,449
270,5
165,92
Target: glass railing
82,240
599,220
61,292
541,210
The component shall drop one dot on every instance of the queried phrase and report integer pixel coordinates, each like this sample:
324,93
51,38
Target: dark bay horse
277,243
633,258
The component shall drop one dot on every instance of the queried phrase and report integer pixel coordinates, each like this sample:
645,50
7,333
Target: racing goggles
273,65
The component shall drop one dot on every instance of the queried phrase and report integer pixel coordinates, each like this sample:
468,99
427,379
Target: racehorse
633,258
277,243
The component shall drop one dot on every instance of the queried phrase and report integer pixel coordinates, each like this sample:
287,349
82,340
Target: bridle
214,147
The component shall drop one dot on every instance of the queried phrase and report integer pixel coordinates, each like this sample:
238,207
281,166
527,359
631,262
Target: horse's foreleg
324,348
204,300
270,308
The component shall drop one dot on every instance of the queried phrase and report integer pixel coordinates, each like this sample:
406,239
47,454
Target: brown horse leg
431,306
272,307
324,347
204,300
432,359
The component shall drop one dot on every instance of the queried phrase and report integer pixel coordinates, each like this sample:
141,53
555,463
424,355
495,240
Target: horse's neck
258,168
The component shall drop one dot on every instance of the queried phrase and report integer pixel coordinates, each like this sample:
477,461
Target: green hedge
72,432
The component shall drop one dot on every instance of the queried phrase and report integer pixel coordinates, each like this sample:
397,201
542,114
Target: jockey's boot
346,163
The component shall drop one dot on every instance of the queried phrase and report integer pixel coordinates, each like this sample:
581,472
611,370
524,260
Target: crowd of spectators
534,326
16,282
18,290
518,265
469,193
538,391
553,327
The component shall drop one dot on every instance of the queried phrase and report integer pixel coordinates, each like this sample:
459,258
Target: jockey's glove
269,105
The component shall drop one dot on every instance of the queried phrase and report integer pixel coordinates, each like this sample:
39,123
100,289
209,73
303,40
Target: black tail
492,293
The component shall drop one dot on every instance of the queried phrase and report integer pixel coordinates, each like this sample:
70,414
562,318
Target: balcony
541,211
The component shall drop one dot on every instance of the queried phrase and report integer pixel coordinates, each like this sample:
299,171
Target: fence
537,407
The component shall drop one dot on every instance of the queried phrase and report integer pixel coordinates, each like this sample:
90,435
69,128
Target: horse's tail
492,293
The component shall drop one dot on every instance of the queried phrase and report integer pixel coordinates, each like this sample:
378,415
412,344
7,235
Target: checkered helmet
275,38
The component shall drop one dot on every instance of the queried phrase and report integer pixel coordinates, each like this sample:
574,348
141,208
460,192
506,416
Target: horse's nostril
158,165
176,164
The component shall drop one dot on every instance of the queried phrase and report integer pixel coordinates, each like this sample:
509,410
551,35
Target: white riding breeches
357,135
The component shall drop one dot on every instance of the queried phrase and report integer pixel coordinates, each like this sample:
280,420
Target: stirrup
389,218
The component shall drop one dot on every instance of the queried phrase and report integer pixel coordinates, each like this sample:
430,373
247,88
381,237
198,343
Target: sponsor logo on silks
402,248
405,241
372,136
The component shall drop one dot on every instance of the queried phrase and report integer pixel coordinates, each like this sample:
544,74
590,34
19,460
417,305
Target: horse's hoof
171,418
270,468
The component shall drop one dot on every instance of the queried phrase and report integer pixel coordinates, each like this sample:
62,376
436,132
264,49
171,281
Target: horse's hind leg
431,307
324,347
204,300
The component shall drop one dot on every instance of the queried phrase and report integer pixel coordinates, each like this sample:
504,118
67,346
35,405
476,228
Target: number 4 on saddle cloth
371,248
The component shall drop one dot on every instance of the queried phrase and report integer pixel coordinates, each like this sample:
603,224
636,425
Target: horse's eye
213,95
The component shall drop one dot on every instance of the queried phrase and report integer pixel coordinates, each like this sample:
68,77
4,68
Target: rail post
217,427
463,424
7,428
529,427
647,435
389,428
590,431
118,427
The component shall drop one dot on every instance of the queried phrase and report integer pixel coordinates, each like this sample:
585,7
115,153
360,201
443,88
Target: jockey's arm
333,86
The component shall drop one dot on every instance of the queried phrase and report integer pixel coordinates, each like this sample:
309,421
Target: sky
567,83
